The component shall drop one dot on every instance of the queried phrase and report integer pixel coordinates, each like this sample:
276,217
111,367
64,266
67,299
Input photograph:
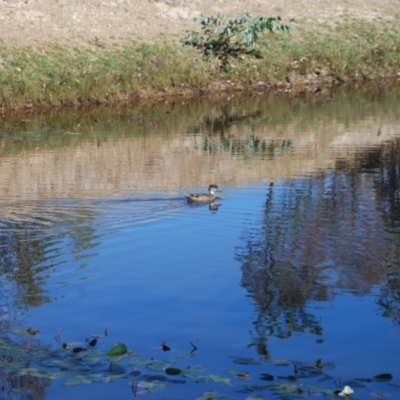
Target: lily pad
281,362
266,377
238,374
157,365
172,371
192,372
383,377
213,396
245,361
118,350
219,378
153,386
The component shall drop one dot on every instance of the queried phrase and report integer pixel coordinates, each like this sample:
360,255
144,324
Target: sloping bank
308,57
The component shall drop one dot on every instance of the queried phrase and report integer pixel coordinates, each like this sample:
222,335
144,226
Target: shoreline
317,86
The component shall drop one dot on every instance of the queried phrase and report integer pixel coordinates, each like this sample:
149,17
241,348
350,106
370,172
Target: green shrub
222,38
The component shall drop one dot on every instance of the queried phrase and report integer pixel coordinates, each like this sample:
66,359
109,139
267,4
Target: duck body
204,197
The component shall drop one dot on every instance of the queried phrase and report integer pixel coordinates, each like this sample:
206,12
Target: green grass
55,75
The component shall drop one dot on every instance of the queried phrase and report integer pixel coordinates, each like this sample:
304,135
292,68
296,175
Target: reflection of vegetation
280,288
385,162
19,254
27,250
387,184
322,234
218,137
70,128
251,145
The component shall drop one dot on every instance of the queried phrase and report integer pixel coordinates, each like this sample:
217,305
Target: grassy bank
100,73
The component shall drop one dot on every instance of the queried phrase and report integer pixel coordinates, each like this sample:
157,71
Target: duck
204,197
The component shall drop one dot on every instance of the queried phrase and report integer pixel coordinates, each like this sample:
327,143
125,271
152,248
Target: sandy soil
36,22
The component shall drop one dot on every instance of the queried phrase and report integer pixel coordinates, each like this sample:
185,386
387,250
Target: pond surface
288,286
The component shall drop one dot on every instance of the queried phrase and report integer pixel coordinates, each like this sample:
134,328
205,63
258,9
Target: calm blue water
300,261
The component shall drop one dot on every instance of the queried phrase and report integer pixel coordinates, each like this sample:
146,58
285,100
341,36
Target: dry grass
56,75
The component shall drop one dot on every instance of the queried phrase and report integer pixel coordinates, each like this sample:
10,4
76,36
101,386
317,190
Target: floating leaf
307,370
287,388
201,378
220,379
183,355
78,349
114,377
96,335
238,374
118,350
253,387
172,371
82,380
266,377
153,386
256,397
245,361
155,377
192,371
383,377
281,362
157,365
138,361
20,332
213,396
73,382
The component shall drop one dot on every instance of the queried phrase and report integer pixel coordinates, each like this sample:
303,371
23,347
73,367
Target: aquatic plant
87,362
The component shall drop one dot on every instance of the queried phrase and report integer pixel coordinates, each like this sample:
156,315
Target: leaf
78,349
383,377
96,335
253,387
238,374
201,378
219,378
153,386
266,377
157,365
378,394
281,362
192,372
172,371
213,396
20,332
118,350
245,361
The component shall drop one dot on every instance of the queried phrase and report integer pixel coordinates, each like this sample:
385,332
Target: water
299,262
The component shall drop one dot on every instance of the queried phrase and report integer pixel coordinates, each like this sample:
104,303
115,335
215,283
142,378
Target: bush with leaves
222,38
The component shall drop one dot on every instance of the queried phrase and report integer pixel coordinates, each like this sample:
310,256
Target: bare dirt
78,22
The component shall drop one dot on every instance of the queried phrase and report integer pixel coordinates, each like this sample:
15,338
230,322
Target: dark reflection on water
101,234
337,231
